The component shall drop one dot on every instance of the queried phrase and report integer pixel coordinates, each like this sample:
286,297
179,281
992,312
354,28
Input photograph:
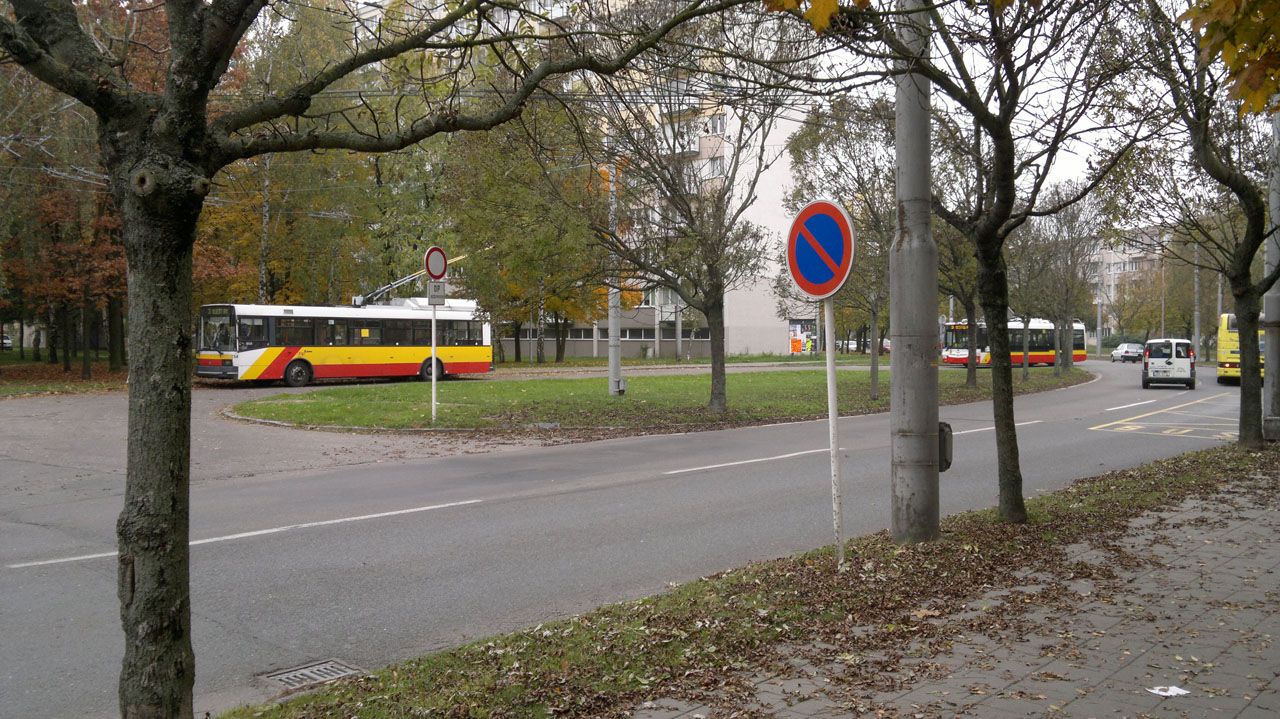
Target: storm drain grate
314,673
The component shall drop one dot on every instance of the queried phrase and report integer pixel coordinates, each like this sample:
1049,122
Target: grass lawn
25,377
852,358
708,636
651,401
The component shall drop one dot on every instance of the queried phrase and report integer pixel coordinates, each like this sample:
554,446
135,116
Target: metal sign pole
435,364
833,418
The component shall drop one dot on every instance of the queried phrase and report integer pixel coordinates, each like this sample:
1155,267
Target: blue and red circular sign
820,249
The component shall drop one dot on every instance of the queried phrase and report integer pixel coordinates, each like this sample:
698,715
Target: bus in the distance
1229,349
955,343
297,344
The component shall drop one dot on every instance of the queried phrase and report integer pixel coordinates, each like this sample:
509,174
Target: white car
1127,352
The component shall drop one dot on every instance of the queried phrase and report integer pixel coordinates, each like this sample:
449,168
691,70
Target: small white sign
436,293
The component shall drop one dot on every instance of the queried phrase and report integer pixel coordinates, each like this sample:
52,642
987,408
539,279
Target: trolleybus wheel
297,374
427,367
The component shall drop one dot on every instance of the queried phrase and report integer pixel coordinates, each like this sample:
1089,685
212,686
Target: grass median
704,641
667,401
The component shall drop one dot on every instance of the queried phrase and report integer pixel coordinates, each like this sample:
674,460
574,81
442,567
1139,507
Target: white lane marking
988,429
1127,406
749,461
260,532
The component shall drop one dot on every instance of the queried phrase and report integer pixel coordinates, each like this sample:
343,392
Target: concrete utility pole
913,287
679,330
1195,292
1271,300
615,298
1097,328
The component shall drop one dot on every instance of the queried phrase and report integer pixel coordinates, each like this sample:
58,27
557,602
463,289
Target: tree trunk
35,343
1247,308
875,356
1068,343
714,311
22,340
515,333
53,333
115,334
540,328
67,332
1026,348
86,317
158,196
993,286
1057,348
562,336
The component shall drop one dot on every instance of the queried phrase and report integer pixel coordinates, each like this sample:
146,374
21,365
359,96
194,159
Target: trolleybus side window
462,332
252,332
215,329
422,332
333,332
366,332
397,332
295,331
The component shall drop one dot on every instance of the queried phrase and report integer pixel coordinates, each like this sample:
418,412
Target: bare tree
1205,184
423,69
687,133
1070,239
1030,77
845,151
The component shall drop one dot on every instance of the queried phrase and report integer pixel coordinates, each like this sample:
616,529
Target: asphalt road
410,544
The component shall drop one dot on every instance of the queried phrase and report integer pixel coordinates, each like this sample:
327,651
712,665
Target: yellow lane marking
1130,420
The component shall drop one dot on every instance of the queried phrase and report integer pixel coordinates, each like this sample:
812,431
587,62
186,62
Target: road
373,549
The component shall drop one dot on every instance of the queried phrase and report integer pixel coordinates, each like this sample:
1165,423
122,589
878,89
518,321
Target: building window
715,124
579,333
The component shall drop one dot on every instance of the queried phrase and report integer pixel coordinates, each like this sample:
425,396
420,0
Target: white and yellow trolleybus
297,344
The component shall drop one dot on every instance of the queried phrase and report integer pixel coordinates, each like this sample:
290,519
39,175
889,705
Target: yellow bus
1229,349
298,344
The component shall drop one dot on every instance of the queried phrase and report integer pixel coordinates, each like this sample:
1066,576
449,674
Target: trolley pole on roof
913,304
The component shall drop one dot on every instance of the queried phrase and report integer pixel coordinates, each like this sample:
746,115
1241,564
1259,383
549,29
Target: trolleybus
1229,349
298,344
955,343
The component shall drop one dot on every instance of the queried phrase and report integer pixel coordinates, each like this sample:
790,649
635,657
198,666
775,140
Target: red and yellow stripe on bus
984,358
269,363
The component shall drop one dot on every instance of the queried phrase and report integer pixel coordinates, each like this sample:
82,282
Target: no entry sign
820,249
434,262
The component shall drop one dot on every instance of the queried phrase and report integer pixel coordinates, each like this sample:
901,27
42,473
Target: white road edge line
260,532
988,429
747,461
1127,406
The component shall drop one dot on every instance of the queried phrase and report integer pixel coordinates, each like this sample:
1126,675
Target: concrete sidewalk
1188,598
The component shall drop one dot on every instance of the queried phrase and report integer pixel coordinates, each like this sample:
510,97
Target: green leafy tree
521,214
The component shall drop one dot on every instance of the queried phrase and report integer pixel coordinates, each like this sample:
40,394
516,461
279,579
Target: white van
1168,361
